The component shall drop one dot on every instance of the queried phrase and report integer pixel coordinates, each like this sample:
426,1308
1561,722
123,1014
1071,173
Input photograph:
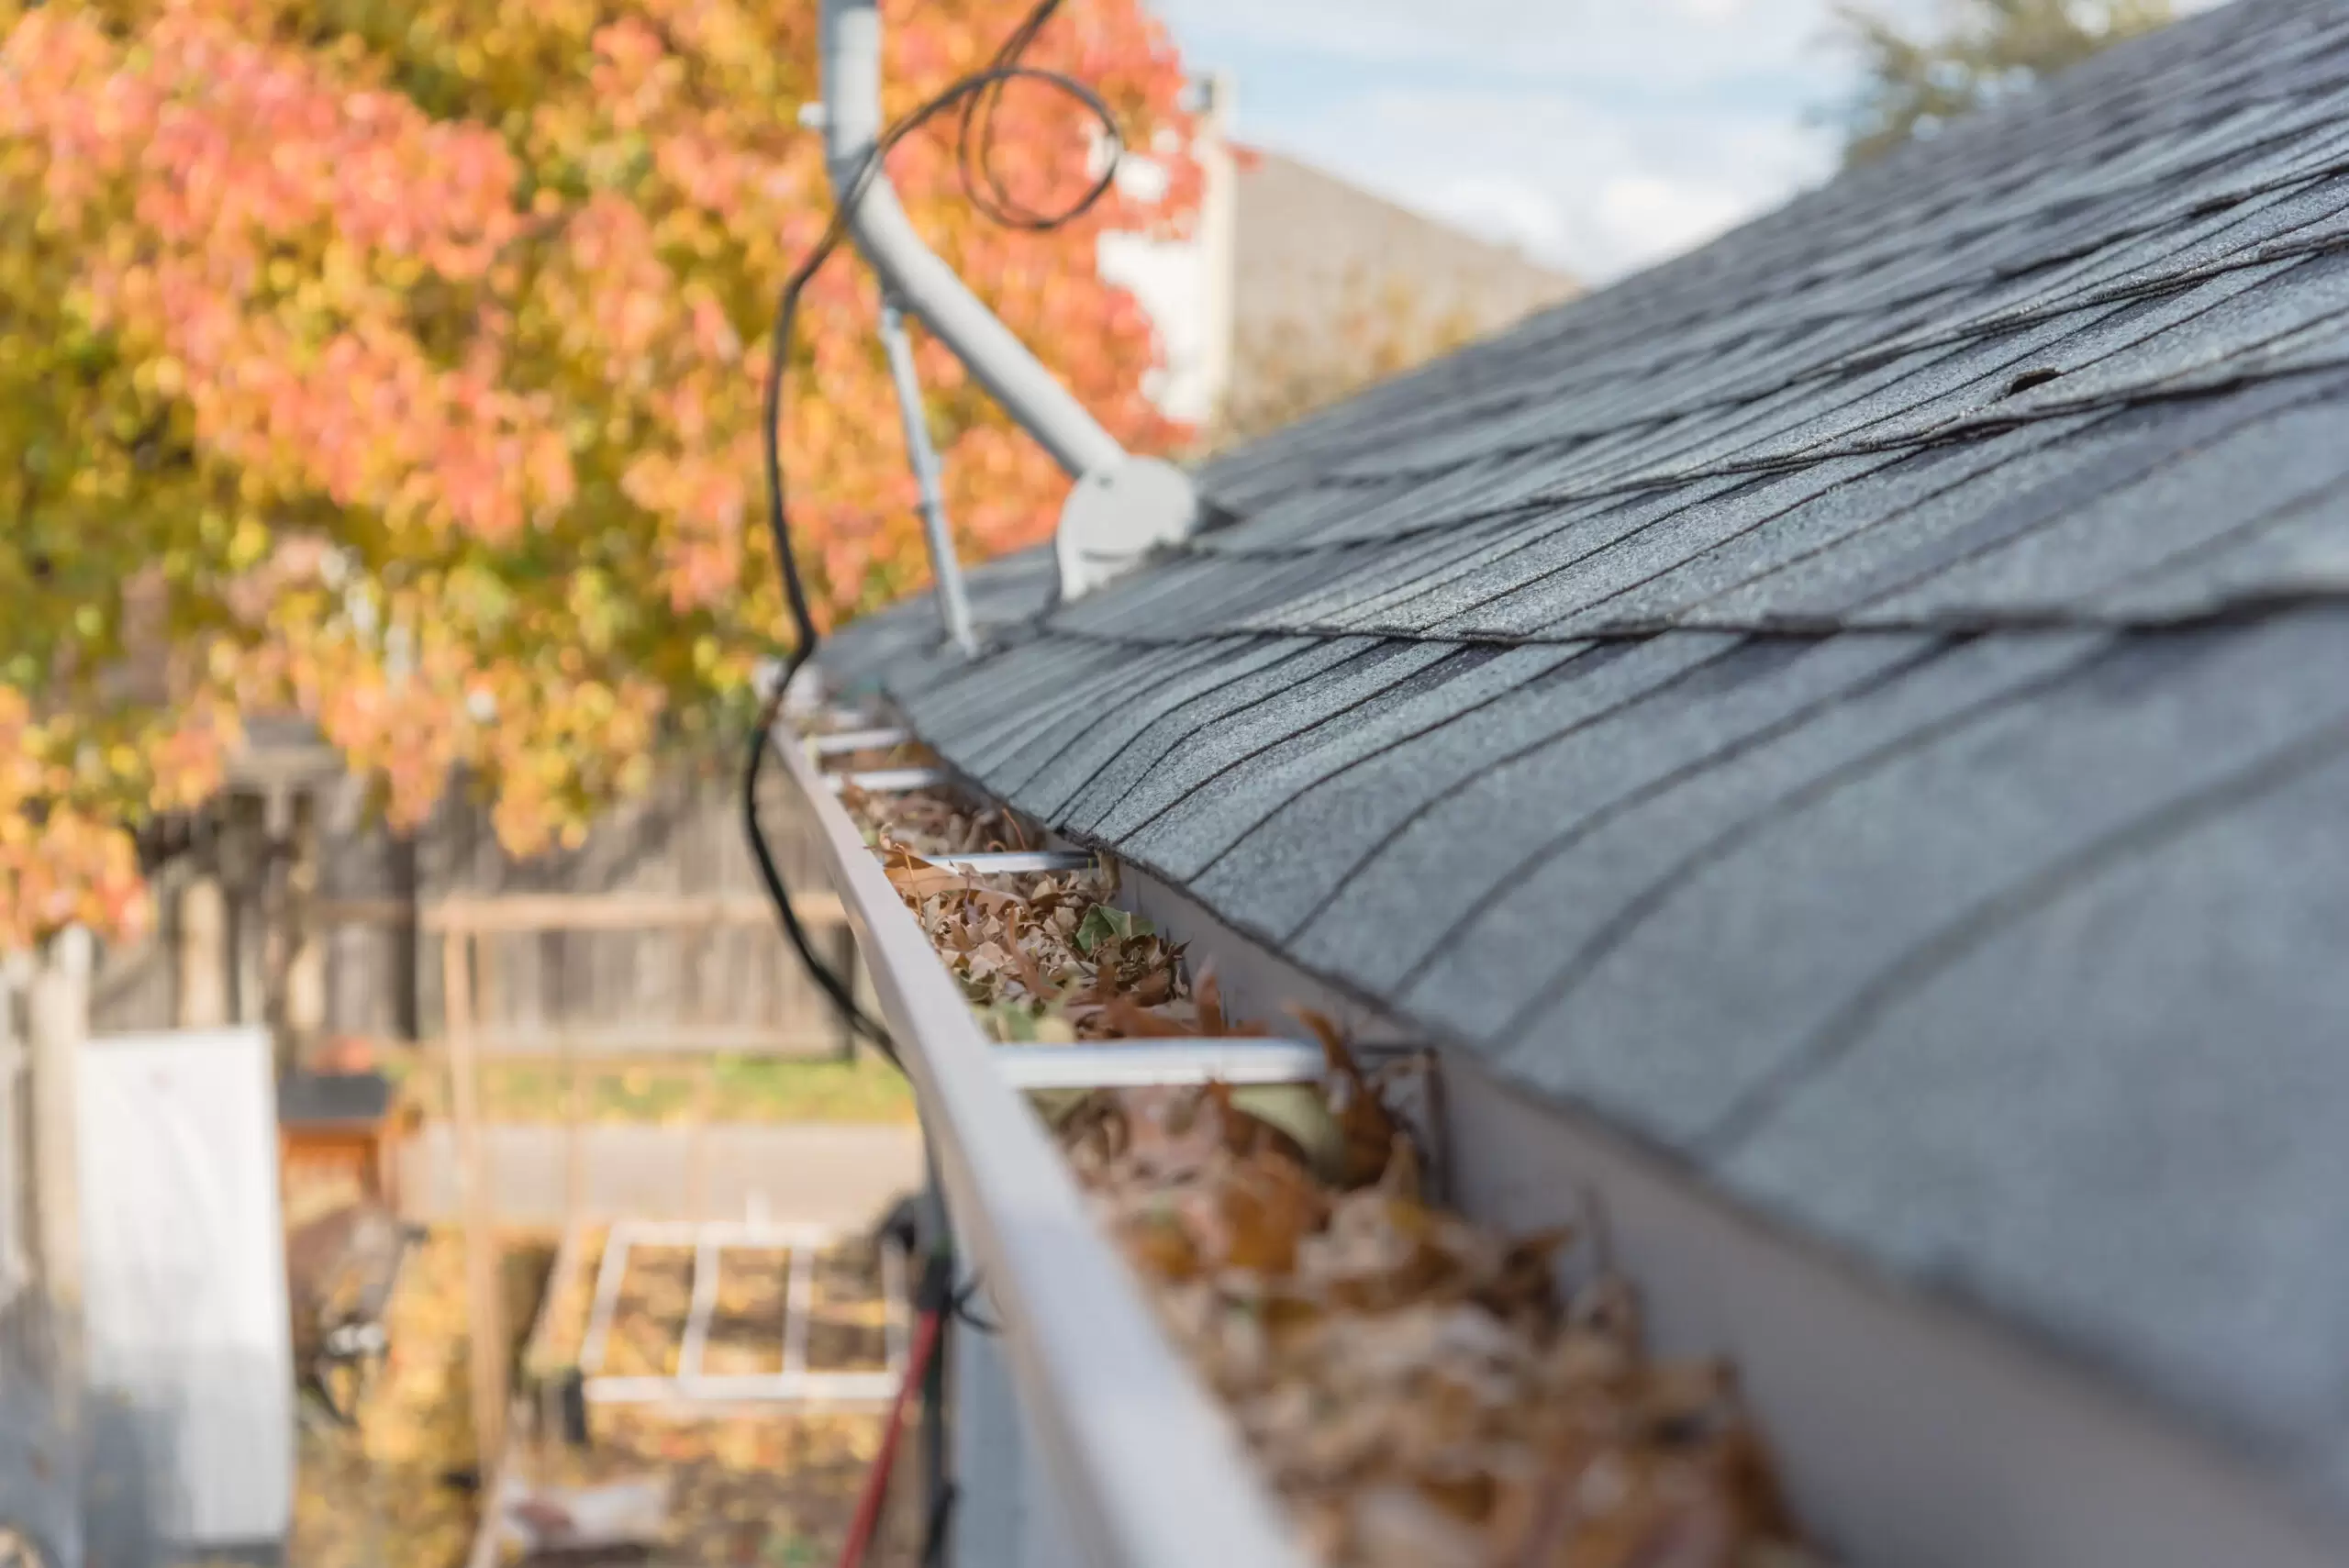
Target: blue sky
1597,135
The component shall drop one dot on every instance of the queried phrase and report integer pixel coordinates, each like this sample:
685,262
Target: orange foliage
414,352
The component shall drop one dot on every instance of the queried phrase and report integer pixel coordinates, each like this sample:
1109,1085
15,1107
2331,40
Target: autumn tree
399,365
1913,82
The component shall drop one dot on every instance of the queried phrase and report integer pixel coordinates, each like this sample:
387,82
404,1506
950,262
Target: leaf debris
1418,1389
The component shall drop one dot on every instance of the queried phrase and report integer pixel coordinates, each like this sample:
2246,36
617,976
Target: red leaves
500,351
233,141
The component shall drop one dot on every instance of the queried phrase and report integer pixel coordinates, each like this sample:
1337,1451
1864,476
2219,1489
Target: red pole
876,1480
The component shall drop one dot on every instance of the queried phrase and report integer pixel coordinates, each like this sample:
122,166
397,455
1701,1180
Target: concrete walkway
824,1174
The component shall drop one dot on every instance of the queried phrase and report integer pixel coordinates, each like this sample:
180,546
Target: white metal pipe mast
1122,505
953,605
929,288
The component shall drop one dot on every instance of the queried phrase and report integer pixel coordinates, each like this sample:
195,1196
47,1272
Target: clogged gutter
1419,1390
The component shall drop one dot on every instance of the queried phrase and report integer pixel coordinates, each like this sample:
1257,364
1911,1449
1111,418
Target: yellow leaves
249,544
511,325
374,1498
67,869
63,858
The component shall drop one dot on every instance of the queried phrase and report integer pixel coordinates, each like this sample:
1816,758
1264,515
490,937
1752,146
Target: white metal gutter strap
1150,1473
1000,862
887,781
1141,1064
878,738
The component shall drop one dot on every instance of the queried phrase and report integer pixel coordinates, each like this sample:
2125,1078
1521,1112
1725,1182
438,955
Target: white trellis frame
794,1381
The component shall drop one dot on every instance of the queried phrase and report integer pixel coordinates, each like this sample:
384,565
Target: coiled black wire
979,95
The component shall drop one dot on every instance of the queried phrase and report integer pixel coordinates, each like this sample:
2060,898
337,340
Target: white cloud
1596,134
1646,42
1592,187
1644,215
1513,211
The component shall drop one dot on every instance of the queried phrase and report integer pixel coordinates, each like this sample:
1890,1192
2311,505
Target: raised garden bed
739,1481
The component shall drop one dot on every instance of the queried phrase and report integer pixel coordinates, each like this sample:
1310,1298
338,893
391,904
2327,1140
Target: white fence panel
185,1274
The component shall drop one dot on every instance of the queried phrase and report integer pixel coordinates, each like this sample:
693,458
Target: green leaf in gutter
1299,1110
1055,1105
1026,1022
1105,922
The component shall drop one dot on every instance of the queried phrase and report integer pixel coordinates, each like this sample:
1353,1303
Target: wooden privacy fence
578,1053
478,922
609,1004
469,929
306,913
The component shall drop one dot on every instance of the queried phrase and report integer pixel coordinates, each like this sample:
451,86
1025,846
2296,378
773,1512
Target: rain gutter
1139,1465
1907,1430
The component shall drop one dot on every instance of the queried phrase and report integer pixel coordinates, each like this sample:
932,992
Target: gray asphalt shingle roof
1864,707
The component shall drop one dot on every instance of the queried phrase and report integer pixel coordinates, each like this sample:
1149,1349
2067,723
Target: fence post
484,1303
58,1021
276,901
704,1090
19,1244
304,982
846,964
202,941
574,1155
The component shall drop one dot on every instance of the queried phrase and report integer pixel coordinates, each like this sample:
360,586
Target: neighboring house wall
1337,289
1306,238
1184,284
1291,275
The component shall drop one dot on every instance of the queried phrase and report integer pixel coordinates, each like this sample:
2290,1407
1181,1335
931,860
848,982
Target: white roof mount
1123,506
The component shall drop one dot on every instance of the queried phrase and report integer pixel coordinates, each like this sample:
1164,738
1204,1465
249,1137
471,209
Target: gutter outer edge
1151,1472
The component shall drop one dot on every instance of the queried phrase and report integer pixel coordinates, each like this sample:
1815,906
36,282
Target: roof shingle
1864,706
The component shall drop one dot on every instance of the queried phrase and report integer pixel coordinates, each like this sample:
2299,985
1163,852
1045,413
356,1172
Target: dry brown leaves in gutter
1041,956
1417,1387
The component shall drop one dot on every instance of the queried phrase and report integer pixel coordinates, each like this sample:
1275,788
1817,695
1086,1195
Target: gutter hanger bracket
1122,505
